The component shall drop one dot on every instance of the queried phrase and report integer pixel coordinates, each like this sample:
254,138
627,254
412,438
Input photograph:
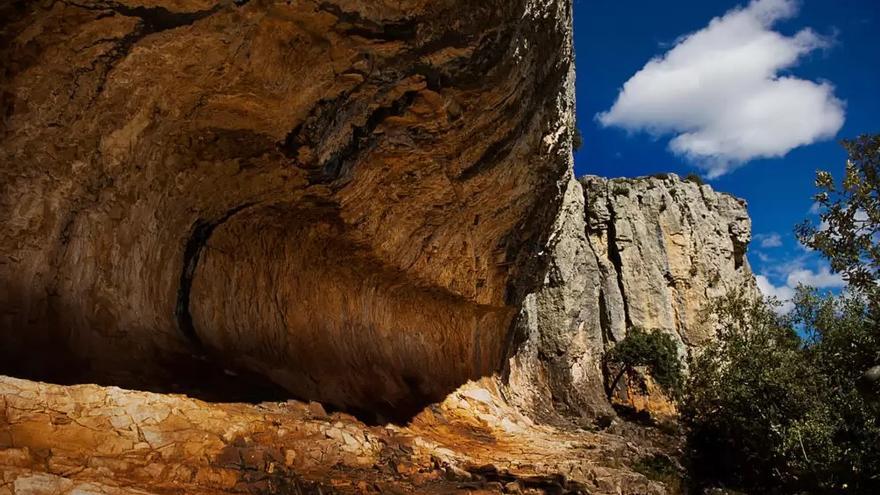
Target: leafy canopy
784,404
850,229
654,350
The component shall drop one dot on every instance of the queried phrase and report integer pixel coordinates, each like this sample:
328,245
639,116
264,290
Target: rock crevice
651,253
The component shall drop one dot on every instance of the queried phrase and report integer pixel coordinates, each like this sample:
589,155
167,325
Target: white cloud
821,279
719,92
771,240
782,293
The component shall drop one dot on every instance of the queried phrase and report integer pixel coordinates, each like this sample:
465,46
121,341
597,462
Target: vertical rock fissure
604,319
198,239
614,254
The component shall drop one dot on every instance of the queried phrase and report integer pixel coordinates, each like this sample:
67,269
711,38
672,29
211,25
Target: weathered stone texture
651,252
86,439
671,246
362,203
342,196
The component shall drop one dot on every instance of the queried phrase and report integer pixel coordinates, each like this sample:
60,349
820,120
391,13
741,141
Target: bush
577,139
791,405
658,467
850,218
619,189
768,411
654,350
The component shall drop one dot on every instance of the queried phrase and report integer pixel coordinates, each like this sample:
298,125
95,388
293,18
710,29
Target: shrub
656,351
791,405
659,467
850,218
620,190
577,139
769,411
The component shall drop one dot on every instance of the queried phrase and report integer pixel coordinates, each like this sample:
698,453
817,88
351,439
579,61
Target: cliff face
482,438
365,204
340,197
671,246
651,253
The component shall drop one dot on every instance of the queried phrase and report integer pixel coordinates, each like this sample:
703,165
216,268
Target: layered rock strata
366,204
86,439
342,198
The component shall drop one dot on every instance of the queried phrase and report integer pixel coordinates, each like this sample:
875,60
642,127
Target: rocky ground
90,439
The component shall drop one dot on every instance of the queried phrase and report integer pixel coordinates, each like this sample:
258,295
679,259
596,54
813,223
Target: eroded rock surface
667,248
366,204
58,440
651,252
342,197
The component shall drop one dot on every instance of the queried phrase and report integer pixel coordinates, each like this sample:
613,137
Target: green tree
746,395
850,229
785,404
842,341
654,350
849,235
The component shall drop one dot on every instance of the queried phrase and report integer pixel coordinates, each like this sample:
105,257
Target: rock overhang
342,197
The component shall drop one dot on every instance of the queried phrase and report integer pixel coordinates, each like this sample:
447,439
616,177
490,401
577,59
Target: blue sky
806,72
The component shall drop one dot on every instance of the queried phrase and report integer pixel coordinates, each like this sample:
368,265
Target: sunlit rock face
651,252
667,247
87,439
343,197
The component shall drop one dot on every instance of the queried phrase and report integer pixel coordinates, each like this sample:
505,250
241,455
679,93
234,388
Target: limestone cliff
483,438
362,204
651,252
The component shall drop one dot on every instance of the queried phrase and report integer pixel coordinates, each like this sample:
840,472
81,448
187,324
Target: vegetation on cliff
784,404
654,350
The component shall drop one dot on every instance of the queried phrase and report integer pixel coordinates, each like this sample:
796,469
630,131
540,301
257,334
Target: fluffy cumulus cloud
822,278
719,92
782,293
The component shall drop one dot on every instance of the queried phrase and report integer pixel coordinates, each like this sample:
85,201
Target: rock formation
342,198
87,439
366,205
651,252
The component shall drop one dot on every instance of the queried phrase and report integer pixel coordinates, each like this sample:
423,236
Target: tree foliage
773,412
784,404
654,350
850,214
577,139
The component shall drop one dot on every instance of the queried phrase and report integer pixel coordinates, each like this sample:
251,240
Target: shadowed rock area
340,197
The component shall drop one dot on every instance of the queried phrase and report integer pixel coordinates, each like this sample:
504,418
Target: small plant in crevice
662,468
577,139
619,190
